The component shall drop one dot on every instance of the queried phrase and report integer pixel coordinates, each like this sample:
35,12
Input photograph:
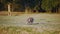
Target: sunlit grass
24,30
47,23
17,30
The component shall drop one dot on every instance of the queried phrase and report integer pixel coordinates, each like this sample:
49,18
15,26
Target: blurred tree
1,6
48,4
40,5
8,4
19,5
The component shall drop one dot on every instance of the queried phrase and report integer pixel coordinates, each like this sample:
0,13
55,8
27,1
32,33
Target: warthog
30,20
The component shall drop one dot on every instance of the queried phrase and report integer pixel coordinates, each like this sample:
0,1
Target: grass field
24,30
47,24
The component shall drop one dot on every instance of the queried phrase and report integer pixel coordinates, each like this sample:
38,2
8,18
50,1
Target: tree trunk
9,10
26,10
59,10
48,11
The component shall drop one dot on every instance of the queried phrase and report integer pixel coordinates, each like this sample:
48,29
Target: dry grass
12,13
17,30
28,30
24,30
5,13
